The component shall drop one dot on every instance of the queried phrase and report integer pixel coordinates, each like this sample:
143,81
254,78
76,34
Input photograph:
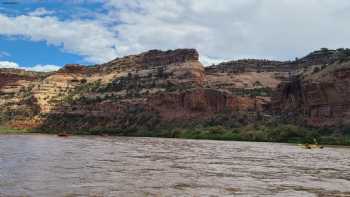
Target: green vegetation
260,133
138,122
239,131
7,130
257,91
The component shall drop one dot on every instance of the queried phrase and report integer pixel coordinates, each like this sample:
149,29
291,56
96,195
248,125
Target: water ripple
43,165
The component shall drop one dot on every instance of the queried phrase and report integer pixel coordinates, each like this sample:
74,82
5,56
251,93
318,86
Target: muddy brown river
44,165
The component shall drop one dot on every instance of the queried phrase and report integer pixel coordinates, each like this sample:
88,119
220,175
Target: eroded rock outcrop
15,101
321,98
164,87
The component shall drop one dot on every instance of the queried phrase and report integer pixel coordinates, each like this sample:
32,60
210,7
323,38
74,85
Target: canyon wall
164,87
320,98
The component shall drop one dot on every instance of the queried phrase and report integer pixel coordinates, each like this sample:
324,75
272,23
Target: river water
44,165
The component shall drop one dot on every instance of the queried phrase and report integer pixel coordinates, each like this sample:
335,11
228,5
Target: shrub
316,70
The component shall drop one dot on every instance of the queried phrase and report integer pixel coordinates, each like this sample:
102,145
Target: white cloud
6,64
41,12
219,29
43,68
228,29
38,68
210,61
84,37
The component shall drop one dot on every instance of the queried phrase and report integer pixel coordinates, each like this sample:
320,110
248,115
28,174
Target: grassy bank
261,133
7,130
282,133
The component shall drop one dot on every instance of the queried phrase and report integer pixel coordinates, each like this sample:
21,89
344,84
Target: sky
44,35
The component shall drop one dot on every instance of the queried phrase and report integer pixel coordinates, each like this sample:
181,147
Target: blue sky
46,34
29,53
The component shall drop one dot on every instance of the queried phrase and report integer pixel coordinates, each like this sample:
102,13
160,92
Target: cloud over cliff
220,29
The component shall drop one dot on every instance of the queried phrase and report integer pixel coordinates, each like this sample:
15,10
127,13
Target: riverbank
285,133
8,130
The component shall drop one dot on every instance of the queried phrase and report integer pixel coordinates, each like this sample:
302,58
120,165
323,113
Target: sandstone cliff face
199,103
321,98
102,90
250,65
324,57
159,87
167,85
10,77
14,98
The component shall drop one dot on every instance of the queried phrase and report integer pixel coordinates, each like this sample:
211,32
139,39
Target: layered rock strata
160,87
